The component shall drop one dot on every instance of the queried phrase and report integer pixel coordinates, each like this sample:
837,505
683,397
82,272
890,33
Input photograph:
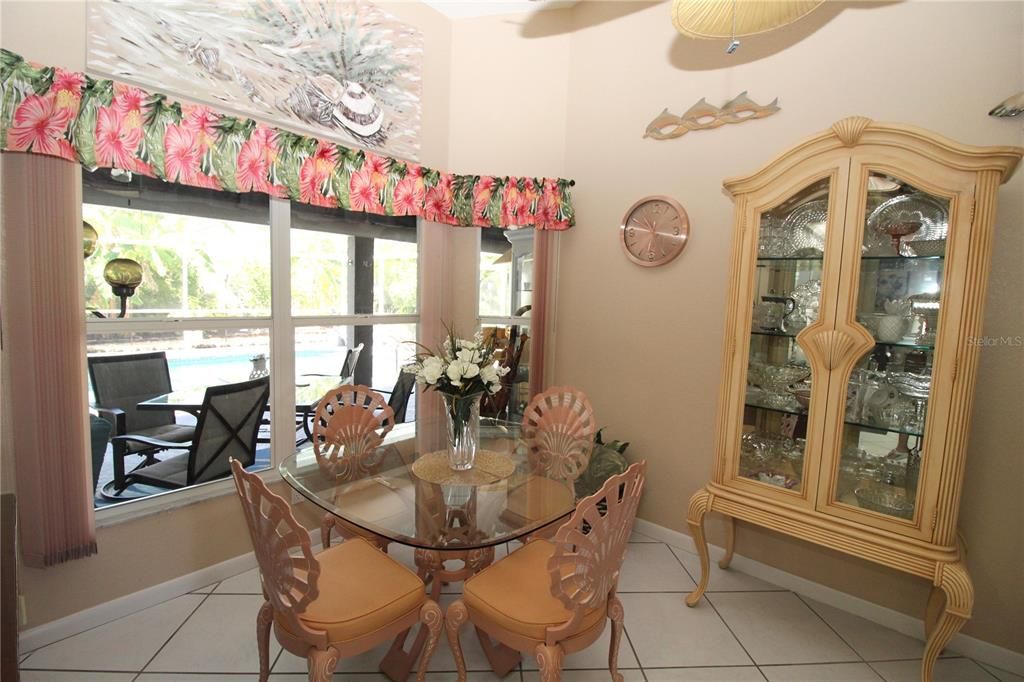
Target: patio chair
552,598
348,429
228,425
120,383
341,602
348,366
398,397
558,429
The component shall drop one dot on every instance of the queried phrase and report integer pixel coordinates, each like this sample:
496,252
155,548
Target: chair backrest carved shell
288,570
559,428
348,429
590,546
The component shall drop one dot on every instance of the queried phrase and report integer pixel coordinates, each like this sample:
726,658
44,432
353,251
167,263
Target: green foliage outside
205,267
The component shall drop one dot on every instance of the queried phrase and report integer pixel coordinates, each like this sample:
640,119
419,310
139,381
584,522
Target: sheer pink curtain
44,341
540,312
435,305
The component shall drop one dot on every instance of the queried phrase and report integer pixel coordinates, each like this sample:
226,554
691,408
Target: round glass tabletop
397,500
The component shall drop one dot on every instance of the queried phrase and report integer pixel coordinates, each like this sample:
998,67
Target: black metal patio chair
228,426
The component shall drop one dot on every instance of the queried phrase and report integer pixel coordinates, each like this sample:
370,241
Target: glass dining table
405,493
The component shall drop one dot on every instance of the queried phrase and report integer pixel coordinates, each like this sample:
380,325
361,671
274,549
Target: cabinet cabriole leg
730,542
956,586
699,505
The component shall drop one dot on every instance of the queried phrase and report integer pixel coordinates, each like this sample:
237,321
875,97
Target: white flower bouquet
462,373
464,367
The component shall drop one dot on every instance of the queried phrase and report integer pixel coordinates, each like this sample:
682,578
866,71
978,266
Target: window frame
281,326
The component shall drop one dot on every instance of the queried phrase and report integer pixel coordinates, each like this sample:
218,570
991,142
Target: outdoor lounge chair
120,383
229,422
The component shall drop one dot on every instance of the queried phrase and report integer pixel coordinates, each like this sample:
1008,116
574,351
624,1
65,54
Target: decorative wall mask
346,70
704,116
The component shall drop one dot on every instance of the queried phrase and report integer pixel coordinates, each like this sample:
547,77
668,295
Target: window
204,301
506,295
354,287
233,286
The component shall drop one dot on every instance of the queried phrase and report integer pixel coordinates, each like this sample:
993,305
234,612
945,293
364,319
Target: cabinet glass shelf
906,430
781,410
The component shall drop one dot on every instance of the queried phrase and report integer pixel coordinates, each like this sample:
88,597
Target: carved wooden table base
430,565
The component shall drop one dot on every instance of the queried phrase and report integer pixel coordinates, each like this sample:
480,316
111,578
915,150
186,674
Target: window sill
173,499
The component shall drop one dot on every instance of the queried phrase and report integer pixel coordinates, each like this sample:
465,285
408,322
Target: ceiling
460,9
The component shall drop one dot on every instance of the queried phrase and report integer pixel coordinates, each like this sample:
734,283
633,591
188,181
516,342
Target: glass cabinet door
786,299
898,300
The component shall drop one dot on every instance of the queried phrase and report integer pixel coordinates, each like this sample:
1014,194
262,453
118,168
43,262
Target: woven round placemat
489,467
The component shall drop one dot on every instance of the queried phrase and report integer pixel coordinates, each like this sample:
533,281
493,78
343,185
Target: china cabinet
858,275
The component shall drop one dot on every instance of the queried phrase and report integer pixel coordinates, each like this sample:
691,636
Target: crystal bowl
802,395
776,378
886,499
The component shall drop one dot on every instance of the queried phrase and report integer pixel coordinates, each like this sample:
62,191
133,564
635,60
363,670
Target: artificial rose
489,374
454,373
469,370
432,370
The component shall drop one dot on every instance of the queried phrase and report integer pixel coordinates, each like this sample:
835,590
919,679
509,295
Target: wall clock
654,231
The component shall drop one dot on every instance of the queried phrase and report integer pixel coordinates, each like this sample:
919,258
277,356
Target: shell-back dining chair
348,429
339,603
558,429
552,598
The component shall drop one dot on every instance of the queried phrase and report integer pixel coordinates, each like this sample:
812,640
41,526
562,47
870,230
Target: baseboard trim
985,652
76,623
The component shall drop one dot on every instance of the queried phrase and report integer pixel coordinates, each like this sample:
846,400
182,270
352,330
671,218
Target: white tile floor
746,629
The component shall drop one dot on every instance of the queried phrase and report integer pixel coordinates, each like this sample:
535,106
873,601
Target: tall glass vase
463,429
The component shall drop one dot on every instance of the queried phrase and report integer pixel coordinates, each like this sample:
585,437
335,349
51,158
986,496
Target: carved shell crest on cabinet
850,129
830,345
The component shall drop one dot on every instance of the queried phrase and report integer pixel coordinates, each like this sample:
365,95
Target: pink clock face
654,231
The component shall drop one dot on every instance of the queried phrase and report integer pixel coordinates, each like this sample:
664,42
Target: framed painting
339,69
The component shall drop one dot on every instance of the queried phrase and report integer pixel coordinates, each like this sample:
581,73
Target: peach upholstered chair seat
552,598
515,594
361,591
348,429
346,600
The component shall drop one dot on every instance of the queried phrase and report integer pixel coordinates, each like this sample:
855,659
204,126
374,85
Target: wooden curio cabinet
859,267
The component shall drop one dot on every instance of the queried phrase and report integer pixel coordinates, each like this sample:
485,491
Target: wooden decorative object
704,116
348,430
290,575
559,428
654,231
923,539
582,571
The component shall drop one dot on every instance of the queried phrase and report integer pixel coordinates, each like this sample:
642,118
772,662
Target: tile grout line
836,632
715,609
176,630
633,649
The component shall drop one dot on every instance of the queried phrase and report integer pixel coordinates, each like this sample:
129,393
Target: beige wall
645,344
139,554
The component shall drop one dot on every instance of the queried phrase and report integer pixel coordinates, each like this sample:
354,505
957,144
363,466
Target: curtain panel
106,124
44,382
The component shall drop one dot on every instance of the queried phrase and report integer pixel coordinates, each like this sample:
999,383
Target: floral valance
106,124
